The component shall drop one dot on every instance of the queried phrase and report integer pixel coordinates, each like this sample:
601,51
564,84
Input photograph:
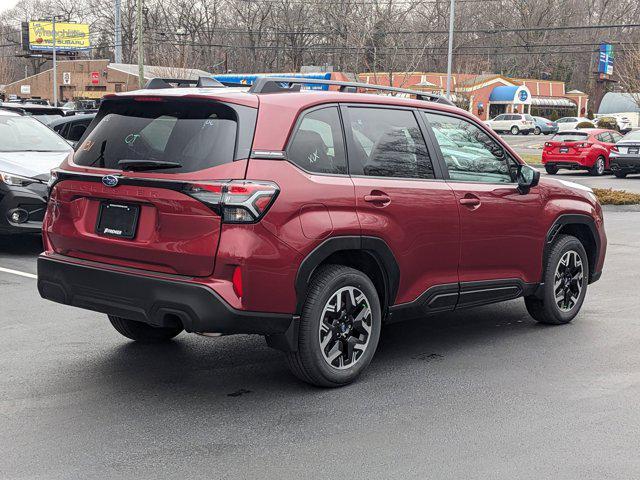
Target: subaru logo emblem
110,180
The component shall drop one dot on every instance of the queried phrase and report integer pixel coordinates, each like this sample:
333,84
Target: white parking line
16,272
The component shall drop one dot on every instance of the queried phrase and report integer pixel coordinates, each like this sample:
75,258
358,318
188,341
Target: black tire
620,174
551,169
546,309
514,130
598,167
310,363
141,332
537,131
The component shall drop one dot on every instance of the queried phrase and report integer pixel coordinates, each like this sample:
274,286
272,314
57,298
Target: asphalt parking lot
483,393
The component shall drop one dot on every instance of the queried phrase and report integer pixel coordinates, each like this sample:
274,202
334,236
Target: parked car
620,123
514,123
43,113
81,105
28,151
571,123
308,217
625,156
545,126
586,149
72,127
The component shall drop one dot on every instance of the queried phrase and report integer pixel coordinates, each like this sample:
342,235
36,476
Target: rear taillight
547,144
614,149
236,201
549,124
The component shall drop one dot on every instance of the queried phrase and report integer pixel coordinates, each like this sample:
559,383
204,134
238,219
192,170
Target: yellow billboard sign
69,36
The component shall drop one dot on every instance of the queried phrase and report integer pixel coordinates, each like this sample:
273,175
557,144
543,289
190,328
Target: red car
585,149
309,217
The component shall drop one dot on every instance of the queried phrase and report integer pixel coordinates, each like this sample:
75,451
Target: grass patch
531,158
609,196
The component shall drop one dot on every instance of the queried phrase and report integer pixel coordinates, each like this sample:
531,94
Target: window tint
388,143
197,135
470,154
605,137
76,130
616,136
529,118
317,146
500,117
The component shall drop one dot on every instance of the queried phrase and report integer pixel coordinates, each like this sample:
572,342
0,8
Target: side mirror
528,177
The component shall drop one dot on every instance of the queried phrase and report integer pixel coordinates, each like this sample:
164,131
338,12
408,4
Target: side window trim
296,127
439,175
440,156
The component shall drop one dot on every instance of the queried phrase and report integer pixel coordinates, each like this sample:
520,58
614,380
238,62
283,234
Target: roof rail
201,82
275,85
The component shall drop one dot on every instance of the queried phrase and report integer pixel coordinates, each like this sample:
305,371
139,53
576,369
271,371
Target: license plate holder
117,219
633,150
564,149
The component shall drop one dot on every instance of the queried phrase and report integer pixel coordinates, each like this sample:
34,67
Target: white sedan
571,123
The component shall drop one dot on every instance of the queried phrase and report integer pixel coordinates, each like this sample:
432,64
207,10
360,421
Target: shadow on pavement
20,245
208,371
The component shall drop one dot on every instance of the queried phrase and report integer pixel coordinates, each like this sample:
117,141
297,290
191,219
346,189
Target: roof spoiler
294,84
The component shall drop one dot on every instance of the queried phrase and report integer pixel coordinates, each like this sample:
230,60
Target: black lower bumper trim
155,301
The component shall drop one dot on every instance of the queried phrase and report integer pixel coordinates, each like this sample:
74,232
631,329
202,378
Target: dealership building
91,79
488,95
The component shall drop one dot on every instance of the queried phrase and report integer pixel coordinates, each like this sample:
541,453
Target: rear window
632,136
569,137
196,134
529,118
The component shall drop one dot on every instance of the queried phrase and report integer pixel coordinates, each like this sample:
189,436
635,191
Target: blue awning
511,94
503,94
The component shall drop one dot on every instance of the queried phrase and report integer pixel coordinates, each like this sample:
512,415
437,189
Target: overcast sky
5,4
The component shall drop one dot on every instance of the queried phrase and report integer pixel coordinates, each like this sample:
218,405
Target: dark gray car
625,157
28,152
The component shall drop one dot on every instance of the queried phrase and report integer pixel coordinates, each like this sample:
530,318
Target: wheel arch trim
573,219
376,247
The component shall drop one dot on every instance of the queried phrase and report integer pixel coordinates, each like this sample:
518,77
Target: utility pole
55,66
118,32
452,14
140,48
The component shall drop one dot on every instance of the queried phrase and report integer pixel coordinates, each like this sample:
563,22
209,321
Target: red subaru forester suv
310,217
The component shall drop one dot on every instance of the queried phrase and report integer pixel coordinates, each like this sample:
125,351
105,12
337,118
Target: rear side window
388,143
317,145
570,137
196,134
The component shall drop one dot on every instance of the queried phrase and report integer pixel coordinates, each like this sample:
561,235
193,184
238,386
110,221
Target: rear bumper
567,161
624,163
152,300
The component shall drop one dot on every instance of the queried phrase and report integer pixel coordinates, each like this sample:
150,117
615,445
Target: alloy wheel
600,165
345,327
568,281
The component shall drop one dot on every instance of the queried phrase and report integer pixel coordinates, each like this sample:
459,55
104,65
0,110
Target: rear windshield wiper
141,165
